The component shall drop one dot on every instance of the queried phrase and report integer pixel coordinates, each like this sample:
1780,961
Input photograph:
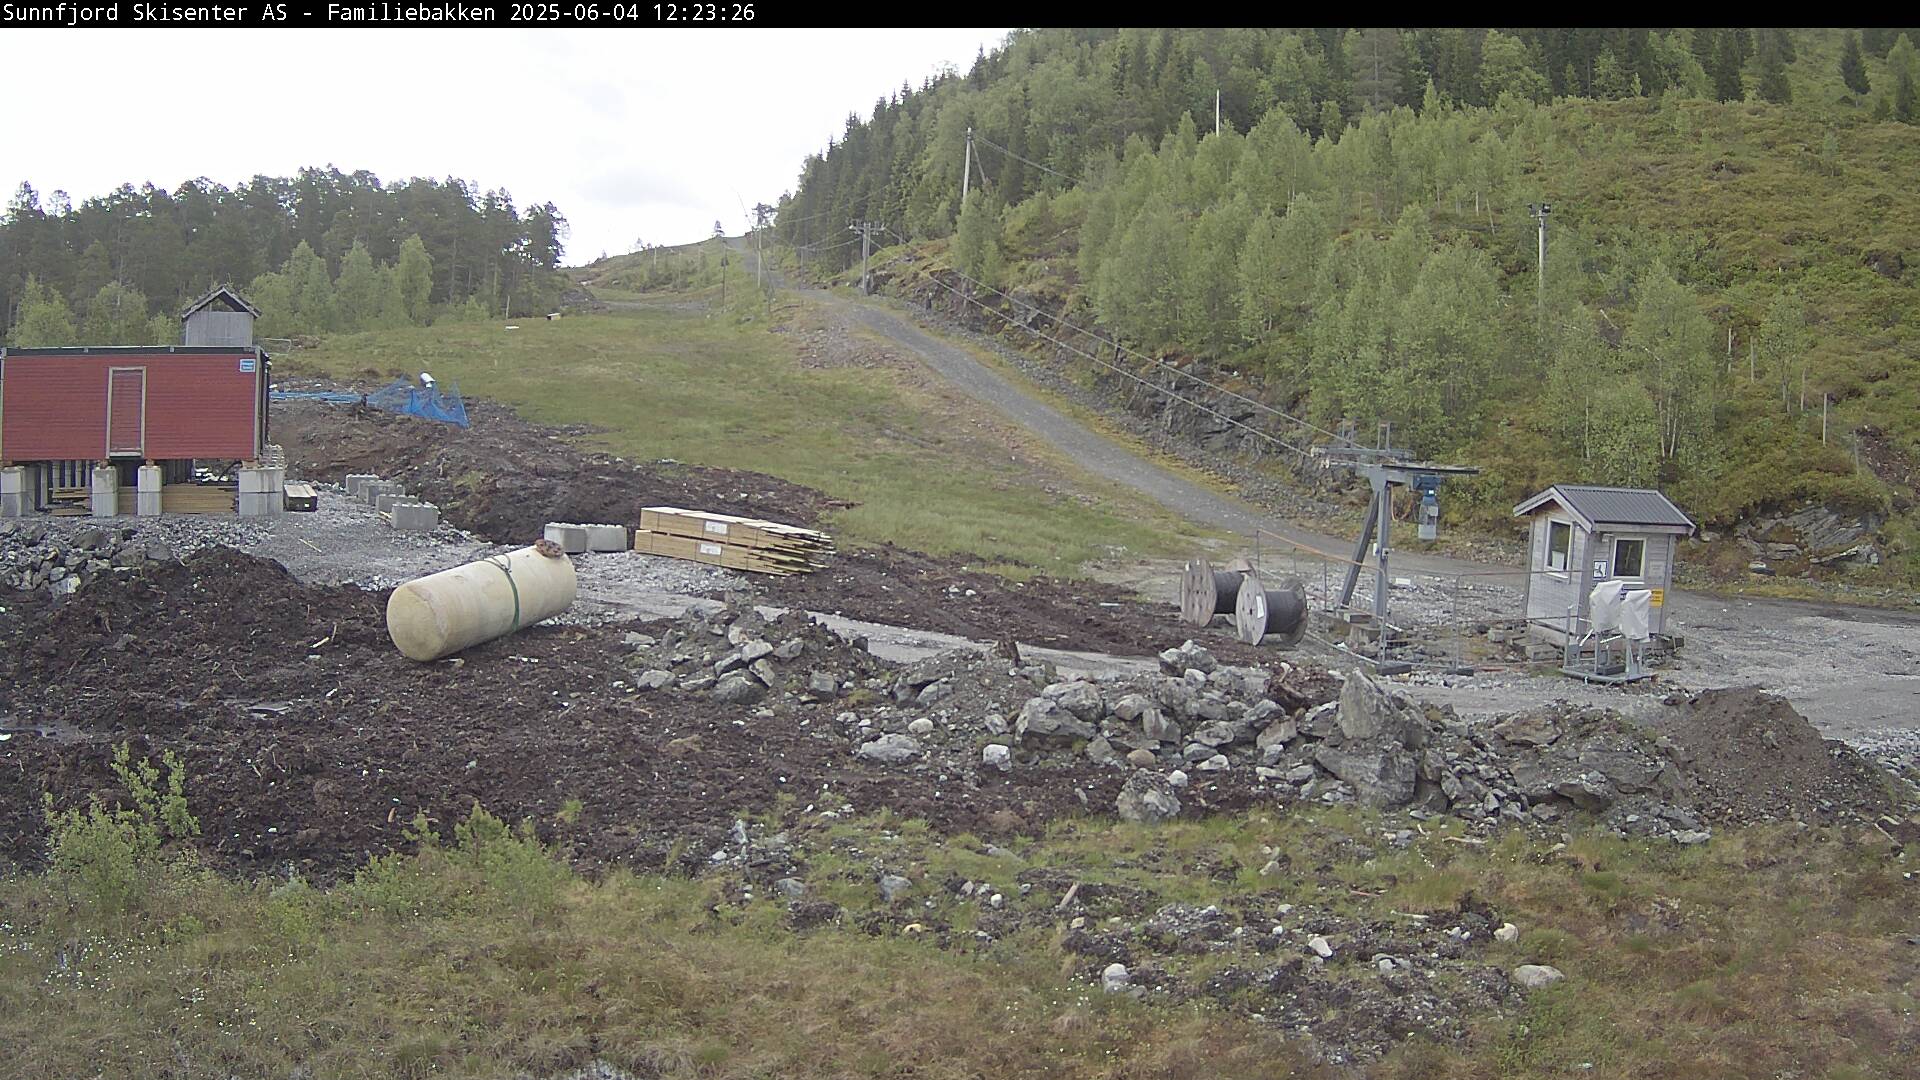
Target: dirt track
1853,671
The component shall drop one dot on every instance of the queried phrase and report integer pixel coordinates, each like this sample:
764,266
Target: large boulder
1370,710
1082,699
1189,656
1045,718
1381,773
1147,798
890,750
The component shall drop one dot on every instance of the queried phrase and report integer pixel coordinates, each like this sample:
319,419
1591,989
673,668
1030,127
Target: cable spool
1206,592
1260,613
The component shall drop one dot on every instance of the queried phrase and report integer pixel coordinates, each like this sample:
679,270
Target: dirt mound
310,742
504,478
1752,757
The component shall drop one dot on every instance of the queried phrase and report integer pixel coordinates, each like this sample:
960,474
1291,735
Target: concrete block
606,537
386,500
356,481
416,517
262,481
371,492
105,498
146,500
571,538
262,504
13,492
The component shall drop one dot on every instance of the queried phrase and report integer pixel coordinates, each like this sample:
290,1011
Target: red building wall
199,403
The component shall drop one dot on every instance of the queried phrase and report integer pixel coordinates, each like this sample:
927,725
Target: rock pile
36,556
1201,729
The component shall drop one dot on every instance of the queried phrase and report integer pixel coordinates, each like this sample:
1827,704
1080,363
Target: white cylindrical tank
441,614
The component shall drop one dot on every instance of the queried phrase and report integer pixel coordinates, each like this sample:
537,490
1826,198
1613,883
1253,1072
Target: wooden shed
221,317
1580,535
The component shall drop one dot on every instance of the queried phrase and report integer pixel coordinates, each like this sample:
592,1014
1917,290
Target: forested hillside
320,251
1732,236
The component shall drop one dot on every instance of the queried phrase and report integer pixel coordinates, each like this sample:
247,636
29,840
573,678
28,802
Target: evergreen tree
1853,66
356,293
414,276
1727,84
1773,71
1506,69
1904,107
977,239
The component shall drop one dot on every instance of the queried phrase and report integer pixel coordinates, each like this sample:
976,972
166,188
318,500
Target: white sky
633,133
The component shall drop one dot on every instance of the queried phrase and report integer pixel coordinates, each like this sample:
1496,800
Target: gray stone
995,723
1219,733
1101,751
893,887
1216,763
1536,976
1132,707
932,693
1381,775
921,726
822,683
1082,699
764,671
1141,758
1115,979
1147,798
160,552
654,679
1507,933
790,649
738,689
1278,733
1044,718
1321,948
996,756
791,888
1188,655
890,749
1155,726
1370,710
754,650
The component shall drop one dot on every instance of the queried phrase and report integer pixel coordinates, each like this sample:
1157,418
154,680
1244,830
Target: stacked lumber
736,543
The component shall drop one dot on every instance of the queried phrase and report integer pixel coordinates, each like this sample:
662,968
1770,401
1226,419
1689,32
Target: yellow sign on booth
1659,597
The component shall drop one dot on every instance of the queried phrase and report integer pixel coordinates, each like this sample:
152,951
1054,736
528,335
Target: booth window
1559,544
1629,558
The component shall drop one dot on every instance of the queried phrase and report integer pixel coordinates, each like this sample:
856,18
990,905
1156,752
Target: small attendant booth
1581,536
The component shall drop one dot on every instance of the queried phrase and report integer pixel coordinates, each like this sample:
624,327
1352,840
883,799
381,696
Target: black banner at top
386,13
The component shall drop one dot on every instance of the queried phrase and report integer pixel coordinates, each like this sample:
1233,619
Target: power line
1260,406
1120,370
1030,161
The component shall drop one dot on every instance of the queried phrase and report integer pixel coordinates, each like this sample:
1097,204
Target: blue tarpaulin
429,403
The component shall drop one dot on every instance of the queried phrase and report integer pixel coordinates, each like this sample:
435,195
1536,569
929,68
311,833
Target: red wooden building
153,403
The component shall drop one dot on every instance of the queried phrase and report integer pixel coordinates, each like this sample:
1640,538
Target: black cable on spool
1206,592
1280,613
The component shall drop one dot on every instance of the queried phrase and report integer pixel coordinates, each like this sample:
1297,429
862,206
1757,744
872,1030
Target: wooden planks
765,547
301,497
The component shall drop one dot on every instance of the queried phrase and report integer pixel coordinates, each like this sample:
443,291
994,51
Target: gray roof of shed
1612,506
218,292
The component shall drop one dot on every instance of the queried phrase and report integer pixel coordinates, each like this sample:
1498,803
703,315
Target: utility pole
1540,212
966,174
865,229
1216,112
1824,398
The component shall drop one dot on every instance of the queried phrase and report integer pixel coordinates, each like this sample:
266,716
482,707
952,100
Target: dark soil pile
310,742
504,479
1751,757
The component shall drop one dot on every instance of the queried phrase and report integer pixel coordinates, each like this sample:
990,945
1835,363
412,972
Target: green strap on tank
507,569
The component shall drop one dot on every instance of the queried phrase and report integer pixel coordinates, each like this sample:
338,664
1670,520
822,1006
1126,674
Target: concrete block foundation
263,492
105,498
13,492
355,481
146,500
385,501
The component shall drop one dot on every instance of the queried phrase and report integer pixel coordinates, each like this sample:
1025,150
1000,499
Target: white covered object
1604,604
1636,614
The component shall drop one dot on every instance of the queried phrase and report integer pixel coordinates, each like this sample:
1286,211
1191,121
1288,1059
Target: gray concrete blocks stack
571,538
147,496
385,501
411,516
263,492
371,491
355,481
104,500
13,491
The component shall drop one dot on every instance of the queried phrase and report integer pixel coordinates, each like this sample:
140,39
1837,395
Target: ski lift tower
1385,467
